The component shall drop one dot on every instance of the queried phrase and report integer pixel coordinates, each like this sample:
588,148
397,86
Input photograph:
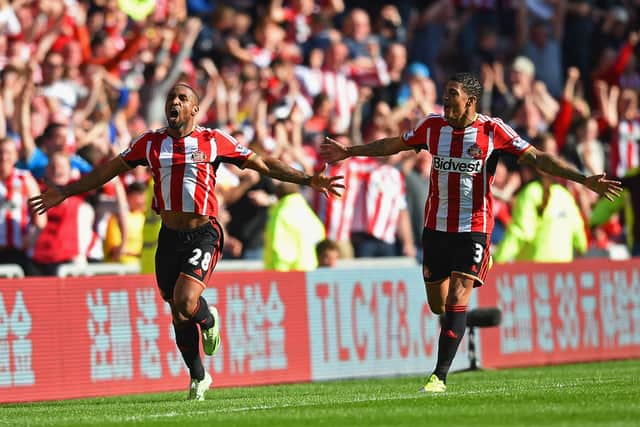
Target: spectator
395,57
72,219
546,224
292,232
57,137
328,253
356,29
77,78
340,81
629,203
19,230
161,75
382,215
127,251
417,182
625,144
543,45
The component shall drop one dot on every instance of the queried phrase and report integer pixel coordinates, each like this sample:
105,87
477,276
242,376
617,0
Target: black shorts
193,253
444,253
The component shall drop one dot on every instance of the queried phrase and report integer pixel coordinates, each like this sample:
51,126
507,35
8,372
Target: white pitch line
406,396
576,382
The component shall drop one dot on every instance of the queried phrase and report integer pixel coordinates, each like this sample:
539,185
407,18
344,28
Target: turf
595,394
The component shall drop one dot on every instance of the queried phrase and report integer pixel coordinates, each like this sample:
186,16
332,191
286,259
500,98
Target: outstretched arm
333,151
553,165
99,176
275,168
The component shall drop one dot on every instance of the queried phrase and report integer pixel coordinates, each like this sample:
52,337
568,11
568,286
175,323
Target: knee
437,308
459,292
183,307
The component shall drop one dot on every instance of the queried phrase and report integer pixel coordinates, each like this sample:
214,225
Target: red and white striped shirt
625,149
462,171
14,214
184,169
341,87
337,212
382,199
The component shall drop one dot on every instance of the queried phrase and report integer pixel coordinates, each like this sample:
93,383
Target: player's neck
465,121
181,131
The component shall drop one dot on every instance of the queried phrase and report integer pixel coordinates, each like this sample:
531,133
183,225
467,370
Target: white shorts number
206,259
195,259
477,254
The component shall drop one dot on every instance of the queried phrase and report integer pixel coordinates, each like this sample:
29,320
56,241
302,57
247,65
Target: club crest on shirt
198,156
475,151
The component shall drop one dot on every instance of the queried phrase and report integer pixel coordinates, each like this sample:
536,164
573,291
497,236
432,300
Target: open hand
604,187
51,197
326,184
332,151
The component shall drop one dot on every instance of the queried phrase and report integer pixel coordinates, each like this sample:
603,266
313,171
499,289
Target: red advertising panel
81,337
555,313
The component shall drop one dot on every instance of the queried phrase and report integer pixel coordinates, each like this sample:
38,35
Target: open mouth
174,112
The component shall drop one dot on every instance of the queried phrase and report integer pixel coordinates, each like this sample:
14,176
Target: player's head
181,106
461,95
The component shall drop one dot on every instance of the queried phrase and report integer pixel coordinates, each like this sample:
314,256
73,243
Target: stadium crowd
80,79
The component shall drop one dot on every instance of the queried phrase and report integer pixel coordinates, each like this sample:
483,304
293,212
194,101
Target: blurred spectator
629,203
356,29
328,253
292,232
337,214
417,182
625,121
389,27
127,251
72,219
586,151
248,203
541,41
162,74
86,77
430,30
546,223
339,80
57,137
395,56
19,229
381,215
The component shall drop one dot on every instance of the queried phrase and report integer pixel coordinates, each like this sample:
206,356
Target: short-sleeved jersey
184,169
337,212
14,212
464,162
383,197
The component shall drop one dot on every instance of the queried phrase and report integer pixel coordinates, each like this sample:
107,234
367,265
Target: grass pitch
594,394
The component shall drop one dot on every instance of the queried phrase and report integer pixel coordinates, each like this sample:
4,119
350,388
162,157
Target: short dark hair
539,140
136,187
51,128
470,84
193,91
326,245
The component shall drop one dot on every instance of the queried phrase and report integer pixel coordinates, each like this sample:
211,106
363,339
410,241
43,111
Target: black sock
201,315
451,333
188,341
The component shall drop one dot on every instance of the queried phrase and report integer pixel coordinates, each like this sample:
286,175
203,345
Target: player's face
180,107
456,103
